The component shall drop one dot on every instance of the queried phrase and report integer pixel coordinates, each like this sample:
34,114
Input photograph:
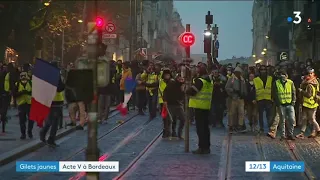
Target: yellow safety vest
151,78
25,98
284,92
162,87
229,76
59,97
263,93
310,102
7,82
202,100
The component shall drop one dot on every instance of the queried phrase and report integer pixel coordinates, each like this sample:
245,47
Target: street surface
144,155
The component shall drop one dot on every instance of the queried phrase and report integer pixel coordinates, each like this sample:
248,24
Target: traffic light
309,22
99,22
207,41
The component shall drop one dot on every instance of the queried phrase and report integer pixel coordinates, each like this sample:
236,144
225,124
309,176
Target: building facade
177,29
260,31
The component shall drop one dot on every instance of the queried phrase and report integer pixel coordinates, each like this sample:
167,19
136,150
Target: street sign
187,39
110,27
283,56
109,36
216,44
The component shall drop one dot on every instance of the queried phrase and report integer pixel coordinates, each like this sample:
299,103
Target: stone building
260,31
177,29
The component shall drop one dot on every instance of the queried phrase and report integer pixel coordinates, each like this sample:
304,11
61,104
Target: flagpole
92,151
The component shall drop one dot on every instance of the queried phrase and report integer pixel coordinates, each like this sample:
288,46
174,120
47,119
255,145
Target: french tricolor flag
45,80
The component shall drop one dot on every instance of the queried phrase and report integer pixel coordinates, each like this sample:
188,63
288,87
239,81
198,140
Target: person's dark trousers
166,125
133,100
52,122
177,112
202,125
216,114
152,102
60,123
141,99
265,105
24,110
5,103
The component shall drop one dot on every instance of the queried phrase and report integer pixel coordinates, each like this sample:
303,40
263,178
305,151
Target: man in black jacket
173,97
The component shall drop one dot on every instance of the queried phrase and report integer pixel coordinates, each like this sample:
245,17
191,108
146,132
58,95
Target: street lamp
258,61
46,3
254,55
207,33
263,53
267,37
265,49
80,21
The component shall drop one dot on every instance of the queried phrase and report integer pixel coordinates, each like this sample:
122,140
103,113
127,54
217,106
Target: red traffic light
309,20
99,22
187,39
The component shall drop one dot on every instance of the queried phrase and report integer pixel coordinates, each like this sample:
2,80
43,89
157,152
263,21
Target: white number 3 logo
297,17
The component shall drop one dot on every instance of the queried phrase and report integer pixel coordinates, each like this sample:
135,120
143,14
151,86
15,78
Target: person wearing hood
23,97
284,96
308,90
237,91
263,84
163,82
200,94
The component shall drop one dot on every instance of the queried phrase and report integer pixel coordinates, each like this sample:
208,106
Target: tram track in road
296,156
225,166
82,149
115,148
142,154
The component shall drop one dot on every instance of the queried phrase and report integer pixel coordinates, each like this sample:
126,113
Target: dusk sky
233,19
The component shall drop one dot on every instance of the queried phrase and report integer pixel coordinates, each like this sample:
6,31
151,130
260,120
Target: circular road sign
187,39
110,27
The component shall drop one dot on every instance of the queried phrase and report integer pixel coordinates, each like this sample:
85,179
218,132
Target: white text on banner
257,166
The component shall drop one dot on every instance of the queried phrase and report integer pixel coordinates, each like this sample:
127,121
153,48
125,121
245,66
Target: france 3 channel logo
275,166
67,166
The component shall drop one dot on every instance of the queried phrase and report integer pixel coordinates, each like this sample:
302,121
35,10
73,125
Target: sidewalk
12,147
167,160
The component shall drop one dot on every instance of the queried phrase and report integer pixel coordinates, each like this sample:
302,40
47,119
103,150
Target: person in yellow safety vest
141,79
54,115
8,86
23,97
263,85
152,85
200,94
309,89
285,99
163,81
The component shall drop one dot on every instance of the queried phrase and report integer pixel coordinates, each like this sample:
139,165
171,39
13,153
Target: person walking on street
263,86
251,104
285,98
173,96
308,89
54,115
237,91
23,97
163,82
152,85
200,94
